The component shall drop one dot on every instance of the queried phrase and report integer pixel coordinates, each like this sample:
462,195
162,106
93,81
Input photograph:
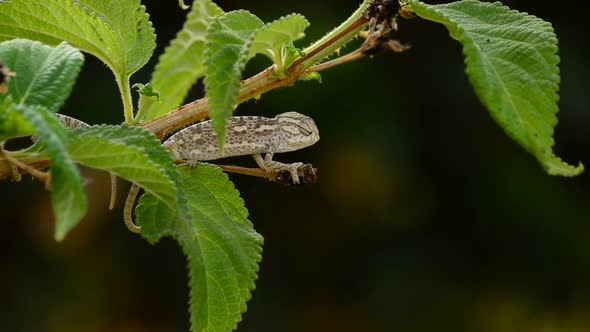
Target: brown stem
257,172
355,55
43,176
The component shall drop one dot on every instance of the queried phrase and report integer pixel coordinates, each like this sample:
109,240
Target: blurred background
426,217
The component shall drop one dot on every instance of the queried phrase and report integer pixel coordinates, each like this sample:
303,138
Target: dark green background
427,217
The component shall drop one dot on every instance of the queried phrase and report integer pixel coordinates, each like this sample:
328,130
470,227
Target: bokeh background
427,217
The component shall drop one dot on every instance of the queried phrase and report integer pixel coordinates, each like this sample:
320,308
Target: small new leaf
146,90
44,75
220,243
270,39
511,60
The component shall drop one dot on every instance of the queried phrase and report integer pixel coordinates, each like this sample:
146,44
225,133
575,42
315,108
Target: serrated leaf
270,39
181,64
117,31
222,247
228,42
512,63
67,196
132,153
44,75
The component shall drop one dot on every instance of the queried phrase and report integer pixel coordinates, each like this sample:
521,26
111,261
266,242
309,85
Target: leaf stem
125,90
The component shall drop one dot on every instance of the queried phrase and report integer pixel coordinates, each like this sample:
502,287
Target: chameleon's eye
305,130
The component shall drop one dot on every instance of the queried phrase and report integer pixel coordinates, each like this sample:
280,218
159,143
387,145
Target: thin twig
43,176
355,55
257,172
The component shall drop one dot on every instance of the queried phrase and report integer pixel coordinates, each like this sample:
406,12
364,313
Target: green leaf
221,245
181,64
117,31
147,90
135,33
228,43
67,196
132,153
44,75
512,63
270,39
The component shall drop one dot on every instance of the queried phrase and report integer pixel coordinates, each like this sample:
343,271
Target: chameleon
245,135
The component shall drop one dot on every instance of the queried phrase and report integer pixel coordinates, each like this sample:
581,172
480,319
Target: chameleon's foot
275,166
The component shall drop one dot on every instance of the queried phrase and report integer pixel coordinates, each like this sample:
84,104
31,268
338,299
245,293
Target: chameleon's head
299,131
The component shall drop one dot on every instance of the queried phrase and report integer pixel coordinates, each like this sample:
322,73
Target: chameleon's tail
113,192
128,210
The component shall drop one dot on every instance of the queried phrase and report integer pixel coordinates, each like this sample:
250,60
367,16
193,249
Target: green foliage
222,247
117,31
232,40
45,74
147,90
511,60
228,41
130,152
67,196
12,124
181,65
44,79
271,39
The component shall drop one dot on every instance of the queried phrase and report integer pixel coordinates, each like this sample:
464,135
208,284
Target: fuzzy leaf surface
67,195
44,75
219,241
181,64
269,40
228,49
512,63
132,153
117,31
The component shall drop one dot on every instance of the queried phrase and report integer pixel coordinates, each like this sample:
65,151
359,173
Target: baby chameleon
244,135
247,135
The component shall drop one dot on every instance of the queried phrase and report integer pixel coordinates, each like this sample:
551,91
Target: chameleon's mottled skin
245,135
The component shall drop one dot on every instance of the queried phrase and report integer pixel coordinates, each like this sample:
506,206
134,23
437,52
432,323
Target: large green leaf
228,42
512,63
132,153
181,64
67,196
116,31
44,75
222,247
